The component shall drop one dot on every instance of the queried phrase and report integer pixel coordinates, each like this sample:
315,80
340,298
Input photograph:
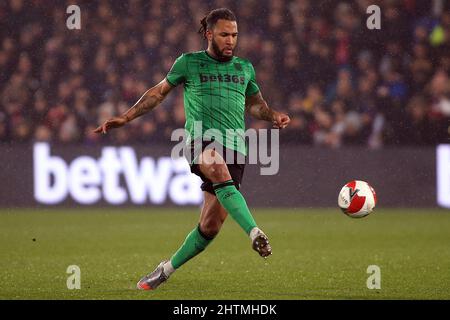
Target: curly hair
212,17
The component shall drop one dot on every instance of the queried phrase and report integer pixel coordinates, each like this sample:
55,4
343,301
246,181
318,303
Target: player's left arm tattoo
256,106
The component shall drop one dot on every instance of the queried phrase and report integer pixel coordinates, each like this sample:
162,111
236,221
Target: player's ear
209,35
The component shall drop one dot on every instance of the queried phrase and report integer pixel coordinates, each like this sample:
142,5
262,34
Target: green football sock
195,243
234,203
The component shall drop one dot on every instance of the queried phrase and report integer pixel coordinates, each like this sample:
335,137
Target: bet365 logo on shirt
221,78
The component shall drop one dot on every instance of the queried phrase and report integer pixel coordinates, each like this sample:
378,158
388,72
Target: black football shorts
236,169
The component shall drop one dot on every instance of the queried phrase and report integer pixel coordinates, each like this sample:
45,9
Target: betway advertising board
45,175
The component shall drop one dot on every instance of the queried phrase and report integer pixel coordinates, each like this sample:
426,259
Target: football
357,199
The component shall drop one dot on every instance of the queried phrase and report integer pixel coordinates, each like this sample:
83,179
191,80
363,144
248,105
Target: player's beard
219,54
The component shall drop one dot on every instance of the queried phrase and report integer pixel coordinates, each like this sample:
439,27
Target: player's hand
280,120
115,122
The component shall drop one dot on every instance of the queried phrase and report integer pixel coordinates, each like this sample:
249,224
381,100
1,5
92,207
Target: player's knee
218,173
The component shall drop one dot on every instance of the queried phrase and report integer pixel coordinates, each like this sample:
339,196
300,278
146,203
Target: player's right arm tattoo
149,100
258,108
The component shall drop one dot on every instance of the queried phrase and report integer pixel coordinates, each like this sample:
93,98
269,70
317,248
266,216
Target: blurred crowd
341,83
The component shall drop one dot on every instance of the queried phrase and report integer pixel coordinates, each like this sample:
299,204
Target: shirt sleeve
177,73
252,86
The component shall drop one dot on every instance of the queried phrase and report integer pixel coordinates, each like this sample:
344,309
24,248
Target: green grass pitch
317,254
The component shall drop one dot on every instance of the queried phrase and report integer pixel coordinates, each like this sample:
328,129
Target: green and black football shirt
214,95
